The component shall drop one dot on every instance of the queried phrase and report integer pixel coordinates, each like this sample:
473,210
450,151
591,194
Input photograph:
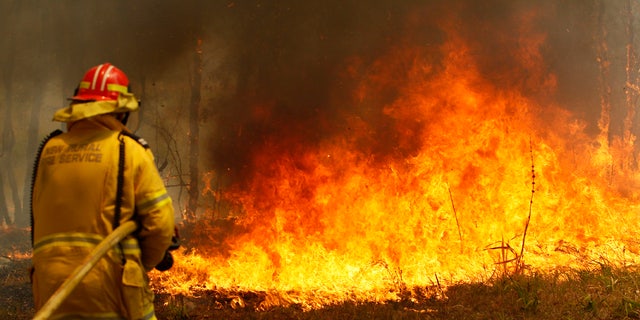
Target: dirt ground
15,296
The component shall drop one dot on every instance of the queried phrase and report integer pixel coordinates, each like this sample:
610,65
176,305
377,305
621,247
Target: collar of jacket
81,110
104,120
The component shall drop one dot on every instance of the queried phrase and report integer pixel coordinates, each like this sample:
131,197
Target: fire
477,170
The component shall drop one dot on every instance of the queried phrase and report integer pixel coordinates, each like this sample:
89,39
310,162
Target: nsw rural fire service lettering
72,154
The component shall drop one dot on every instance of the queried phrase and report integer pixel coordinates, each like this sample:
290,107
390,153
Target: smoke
287,75
297,68
294,84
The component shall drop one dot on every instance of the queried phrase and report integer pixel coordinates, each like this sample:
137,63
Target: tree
194,133
7,180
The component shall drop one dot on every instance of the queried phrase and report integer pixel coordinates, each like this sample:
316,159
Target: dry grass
598,291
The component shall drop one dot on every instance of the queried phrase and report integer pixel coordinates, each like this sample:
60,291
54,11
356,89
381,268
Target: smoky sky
291,59
65,38
288,78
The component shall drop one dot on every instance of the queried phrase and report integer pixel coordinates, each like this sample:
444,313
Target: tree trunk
7,181
8,163
605,88
22,218
5,219
630,81
194,132
6,144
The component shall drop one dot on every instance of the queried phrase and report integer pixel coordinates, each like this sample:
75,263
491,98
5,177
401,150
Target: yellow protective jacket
73,205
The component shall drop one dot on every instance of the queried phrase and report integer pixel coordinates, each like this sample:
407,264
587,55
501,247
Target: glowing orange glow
331,223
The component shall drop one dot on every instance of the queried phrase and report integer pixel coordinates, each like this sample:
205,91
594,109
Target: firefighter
86,182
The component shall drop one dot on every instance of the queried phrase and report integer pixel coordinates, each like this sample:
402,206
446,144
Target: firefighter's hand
166,263
167,260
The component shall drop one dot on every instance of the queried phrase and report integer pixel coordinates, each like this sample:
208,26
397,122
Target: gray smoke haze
278,72
65,38
291,60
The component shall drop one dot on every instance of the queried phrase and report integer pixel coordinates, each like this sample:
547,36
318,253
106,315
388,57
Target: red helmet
103,82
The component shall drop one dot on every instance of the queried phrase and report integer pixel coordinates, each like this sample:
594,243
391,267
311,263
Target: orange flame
450,202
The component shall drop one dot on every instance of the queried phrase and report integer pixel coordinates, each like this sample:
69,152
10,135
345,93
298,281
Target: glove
167,260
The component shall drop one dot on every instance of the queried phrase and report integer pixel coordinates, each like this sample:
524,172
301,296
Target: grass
599,292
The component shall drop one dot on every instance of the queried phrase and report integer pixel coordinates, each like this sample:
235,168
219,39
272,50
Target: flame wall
433,141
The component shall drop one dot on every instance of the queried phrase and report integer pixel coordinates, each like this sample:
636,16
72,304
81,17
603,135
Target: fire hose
81,271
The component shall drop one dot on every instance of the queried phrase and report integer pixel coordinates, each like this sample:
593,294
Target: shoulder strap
120,181
138,139
34,173
119,191
119,185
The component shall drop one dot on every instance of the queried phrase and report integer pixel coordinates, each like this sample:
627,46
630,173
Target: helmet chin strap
123,117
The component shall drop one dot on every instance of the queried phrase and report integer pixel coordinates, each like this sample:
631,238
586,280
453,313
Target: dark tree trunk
194,132
7,140
33,140
6,145
4,211
8,163
632,89
604,77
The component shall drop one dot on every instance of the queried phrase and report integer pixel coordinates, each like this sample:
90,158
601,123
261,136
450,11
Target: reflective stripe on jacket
73,210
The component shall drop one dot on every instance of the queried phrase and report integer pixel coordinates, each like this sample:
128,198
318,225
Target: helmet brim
82,109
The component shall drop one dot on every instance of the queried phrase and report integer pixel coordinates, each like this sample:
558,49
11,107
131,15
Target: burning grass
598,290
